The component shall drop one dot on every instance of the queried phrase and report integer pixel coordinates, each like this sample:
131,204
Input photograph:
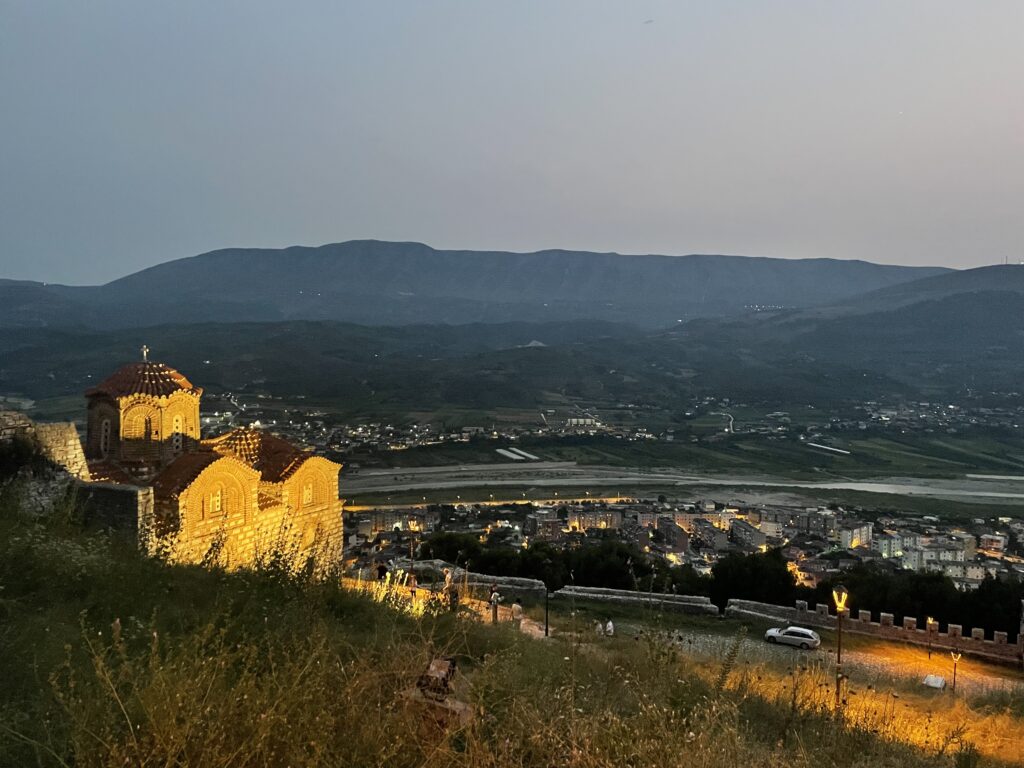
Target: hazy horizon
136,134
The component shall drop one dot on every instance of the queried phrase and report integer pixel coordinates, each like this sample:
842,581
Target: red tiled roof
274,458
146,378
177,476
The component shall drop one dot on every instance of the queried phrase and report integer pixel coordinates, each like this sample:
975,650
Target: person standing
517,613
609,629
449,591
494,600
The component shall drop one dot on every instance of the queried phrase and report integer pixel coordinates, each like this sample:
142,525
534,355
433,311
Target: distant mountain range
383,283
267,321
931,340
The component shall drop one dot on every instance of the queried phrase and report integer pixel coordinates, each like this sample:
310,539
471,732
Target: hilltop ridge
384,283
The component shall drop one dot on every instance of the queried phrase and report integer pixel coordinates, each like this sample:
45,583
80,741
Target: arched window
138,424
105,437
307,494
216,501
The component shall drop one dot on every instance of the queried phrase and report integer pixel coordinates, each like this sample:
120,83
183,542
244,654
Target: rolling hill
941,335
382,283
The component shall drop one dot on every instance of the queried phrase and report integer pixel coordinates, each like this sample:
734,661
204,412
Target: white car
798,636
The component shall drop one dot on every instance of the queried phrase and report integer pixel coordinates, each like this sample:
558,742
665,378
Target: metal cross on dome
145,353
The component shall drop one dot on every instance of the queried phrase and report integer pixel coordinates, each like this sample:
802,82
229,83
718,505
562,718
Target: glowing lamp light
839,595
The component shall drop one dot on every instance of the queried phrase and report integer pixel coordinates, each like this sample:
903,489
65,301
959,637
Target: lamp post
547,593
929,628
839,595
956,658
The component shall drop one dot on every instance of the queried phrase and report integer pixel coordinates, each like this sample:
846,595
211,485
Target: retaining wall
681,603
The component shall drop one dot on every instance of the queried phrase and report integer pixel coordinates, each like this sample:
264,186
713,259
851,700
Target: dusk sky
133,133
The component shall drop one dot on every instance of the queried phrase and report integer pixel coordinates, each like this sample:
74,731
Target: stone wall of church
151,429
122,508
254,525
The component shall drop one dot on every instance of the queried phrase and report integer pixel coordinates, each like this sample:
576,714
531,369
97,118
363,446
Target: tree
452,547
763,577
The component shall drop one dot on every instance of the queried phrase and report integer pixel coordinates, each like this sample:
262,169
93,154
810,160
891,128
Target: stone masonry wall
13,424
58,441
122,508
247,530
61,445
680,603
998,648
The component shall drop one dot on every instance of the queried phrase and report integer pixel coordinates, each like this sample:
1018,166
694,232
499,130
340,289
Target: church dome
145,378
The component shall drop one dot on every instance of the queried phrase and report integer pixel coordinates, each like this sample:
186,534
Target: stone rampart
61,445
974,643
509,586
696,604
14,424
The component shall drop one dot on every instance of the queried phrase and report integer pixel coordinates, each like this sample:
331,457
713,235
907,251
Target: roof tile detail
146,378
180,473
274,458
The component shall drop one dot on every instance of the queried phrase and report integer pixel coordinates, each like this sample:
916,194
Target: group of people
450,592
604,628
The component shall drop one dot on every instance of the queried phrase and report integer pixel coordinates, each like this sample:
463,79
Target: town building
747,536
853,535
585,518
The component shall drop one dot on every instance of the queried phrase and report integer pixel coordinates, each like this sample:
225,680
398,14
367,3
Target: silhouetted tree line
765,577
994,605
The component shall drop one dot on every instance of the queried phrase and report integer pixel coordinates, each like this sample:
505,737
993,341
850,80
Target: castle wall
975,643
59,442
61,445
14,424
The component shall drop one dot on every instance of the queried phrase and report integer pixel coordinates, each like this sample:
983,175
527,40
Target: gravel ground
882,666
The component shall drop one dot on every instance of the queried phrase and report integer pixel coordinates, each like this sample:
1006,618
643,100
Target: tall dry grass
118,660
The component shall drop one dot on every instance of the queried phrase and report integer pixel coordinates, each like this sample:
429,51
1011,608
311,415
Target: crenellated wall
996,646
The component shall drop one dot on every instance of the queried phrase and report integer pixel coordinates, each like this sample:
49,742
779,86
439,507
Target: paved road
551,474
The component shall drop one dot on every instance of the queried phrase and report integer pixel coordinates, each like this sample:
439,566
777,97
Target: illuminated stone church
228,499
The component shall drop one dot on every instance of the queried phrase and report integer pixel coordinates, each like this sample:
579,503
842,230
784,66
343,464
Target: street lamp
547,593
928,627
956,658
839,595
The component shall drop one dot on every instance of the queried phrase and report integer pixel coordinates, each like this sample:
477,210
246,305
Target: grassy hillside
113,659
